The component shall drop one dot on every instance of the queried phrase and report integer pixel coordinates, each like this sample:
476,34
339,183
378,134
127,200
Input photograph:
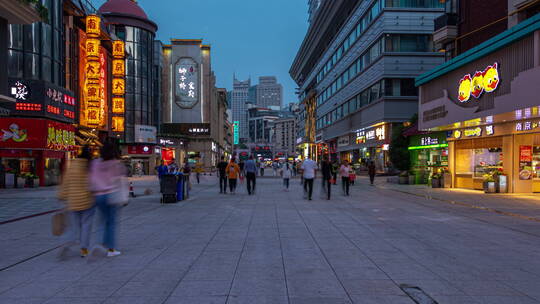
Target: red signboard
525,162
28,133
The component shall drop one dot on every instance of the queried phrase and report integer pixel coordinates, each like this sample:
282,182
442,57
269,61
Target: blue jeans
108,214
80,226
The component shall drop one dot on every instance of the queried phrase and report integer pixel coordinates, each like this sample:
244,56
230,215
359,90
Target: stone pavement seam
281,252
321,251
243,248
199,256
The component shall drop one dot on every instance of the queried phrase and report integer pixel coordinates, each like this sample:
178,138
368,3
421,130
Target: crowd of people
230,172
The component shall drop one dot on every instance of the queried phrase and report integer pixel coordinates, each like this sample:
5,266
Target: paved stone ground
275,247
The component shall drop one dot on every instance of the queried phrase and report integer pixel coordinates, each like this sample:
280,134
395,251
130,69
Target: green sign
235,132
428,141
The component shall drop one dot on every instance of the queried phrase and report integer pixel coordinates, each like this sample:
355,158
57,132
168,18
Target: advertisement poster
525,162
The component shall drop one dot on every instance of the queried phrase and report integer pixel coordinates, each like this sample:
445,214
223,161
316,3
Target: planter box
10,180
502,185
435,183
403,180
412,179
490,187
21,181
36,182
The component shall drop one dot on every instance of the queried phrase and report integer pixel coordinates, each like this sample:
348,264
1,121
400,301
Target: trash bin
168,189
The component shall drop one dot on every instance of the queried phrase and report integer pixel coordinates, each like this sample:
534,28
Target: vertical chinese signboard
525,162
235,132
92,111
186,83
118,85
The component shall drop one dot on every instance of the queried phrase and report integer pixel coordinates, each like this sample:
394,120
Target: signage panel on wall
186,83
190,129
343,141
27,133
236,126
525,162
38,98
145,134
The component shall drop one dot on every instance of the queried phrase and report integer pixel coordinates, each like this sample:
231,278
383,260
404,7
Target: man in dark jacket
326,170
222,165
371,171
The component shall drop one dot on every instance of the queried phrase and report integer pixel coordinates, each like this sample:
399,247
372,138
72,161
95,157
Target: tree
399,149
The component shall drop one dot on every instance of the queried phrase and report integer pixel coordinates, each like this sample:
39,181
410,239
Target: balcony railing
446,20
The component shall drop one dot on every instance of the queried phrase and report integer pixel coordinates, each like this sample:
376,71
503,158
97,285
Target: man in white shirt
308,166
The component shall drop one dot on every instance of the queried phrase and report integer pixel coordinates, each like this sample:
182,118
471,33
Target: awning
87,138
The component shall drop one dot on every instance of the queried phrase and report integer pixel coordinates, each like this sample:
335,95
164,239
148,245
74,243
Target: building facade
285,136
260,121
484,102
239,97
268,93
193,108
355,70
128,21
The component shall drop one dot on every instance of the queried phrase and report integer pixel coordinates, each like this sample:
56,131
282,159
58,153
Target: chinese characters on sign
235,132
428,141
92,113
373,133
19,91
118,85
527,125
186,84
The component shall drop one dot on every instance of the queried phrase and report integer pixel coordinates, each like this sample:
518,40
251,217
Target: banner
525,162
26,133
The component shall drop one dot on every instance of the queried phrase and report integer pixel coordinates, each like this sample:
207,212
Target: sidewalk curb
451,202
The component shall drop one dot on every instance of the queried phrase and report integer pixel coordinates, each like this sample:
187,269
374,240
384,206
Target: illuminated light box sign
527,126
186,83
119,86
370,134
32,133
38,98
480,82
236,126
473,132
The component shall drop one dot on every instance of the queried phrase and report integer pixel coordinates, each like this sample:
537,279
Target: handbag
59,223
120,197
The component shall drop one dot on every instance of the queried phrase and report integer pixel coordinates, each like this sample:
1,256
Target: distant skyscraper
267,93
239,97
313,7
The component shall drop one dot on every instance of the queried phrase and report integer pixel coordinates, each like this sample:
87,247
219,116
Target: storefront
172,149
342,144
486,101
429,155
373,144
36,148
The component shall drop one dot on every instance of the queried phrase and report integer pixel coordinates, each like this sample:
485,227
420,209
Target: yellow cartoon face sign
482,81
491,78
465,86
477,84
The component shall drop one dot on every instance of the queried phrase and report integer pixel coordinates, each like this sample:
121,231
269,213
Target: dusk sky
248,37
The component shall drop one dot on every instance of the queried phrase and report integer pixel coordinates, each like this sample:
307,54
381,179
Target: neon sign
482,81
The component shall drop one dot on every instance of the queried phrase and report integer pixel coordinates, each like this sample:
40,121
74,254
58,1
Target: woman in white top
286,173
344,172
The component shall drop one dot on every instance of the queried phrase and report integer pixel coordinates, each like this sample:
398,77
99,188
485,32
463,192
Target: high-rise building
313,6
285,135
355,71
268,93
239,97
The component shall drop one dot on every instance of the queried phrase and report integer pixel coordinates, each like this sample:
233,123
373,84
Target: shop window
478,162
15,64
15,36
408,43
31,66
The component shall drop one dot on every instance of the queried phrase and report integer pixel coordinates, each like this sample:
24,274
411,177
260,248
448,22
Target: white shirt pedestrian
309,167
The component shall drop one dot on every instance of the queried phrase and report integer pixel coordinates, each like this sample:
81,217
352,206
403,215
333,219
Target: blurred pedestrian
352,175
261,168
242,174
326,170
335,169
344,173
105,182
308,167
286,174
173,167
371,171
250,170
233,171
222,172
161,170
75,193
186,170
198,170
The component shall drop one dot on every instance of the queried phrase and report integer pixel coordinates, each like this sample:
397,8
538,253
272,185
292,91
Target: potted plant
436,180
21,180
500,181
404,178
412,178
489,183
